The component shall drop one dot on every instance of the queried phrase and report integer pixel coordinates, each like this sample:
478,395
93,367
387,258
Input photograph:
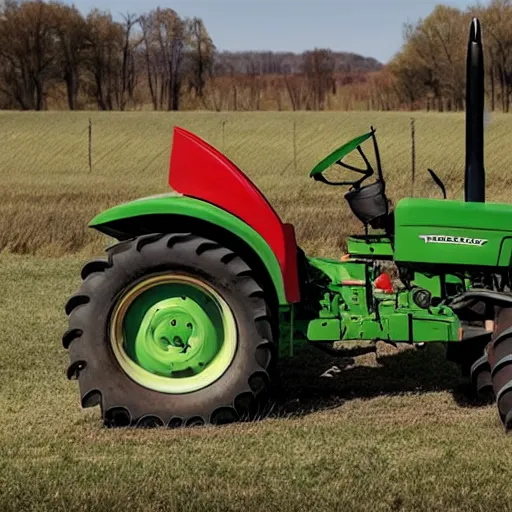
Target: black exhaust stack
474,180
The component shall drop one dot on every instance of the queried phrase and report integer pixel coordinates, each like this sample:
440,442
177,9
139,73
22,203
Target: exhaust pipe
474,179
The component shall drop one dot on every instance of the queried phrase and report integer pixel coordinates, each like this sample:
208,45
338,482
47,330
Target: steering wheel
338,155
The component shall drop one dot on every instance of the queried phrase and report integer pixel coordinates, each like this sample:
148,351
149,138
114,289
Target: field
48,194
392,432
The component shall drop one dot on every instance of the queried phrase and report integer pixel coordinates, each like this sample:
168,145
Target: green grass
390,433
386,434
48,195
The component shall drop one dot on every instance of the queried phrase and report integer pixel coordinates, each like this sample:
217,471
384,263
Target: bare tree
319,73
27,51
200,54
147,26
104,57
434,50
71,33
163,33
410,78
296,89
128,72
498,24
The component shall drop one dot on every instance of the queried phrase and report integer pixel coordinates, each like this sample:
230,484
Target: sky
372,28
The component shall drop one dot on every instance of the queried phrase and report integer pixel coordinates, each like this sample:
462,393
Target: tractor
206,288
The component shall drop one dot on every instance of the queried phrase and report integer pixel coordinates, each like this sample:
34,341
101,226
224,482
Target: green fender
138,217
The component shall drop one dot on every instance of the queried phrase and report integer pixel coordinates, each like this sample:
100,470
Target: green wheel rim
173,333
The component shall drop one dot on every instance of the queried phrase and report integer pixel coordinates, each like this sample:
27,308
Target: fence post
295,145
413,155
90,145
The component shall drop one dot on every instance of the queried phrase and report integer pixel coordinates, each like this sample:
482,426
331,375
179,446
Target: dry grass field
48,195
387,433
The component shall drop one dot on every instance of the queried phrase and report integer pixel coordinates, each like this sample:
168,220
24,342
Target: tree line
49,50
429,71
52,56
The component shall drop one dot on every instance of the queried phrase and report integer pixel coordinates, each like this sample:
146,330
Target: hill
288,63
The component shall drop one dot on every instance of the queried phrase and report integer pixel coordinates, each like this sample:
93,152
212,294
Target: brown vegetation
52,57
49,194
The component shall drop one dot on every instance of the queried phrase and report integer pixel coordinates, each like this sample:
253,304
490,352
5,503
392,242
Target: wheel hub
176,335
173,333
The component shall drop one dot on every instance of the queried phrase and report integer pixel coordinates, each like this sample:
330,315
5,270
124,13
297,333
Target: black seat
369,202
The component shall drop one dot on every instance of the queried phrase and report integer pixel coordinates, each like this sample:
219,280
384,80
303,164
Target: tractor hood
453,233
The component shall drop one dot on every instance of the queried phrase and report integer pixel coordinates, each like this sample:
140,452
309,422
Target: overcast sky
369,27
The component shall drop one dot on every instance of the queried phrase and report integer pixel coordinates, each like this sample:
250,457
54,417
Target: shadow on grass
303,390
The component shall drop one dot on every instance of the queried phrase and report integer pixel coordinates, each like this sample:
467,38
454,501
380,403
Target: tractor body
158,355
453,235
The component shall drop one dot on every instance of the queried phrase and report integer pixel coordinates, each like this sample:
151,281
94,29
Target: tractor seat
369,203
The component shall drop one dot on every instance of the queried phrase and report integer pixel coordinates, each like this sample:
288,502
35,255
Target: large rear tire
171,330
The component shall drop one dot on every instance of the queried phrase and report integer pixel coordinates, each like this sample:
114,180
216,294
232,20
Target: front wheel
499,353
471,357
170,330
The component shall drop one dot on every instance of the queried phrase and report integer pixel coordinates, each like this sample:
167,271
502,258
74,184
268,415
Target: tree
449,28
296,89
71,31
410,78
103,57
319,72
128,72
200,55
435,48
498,24
27,51
163,33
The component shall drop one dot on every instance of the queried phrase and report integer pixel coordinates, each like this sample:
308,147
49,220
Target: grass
48,195
387,433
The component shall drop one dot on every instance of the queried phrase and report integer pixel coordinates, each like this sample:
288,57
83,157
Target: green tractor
184,321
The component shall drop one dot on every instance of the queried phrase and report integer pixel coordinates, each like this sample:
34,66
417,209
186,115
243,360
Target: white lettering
454,240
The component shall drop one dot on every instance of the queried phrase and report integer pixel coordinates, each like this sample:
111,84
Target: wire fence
88,161
293,138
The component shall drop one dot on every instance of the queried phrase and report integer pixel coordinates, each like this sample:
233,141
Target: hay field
388,433
48,195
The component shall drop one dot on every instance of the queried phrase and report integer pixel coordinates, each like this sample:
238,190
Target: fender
198,170
175,212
